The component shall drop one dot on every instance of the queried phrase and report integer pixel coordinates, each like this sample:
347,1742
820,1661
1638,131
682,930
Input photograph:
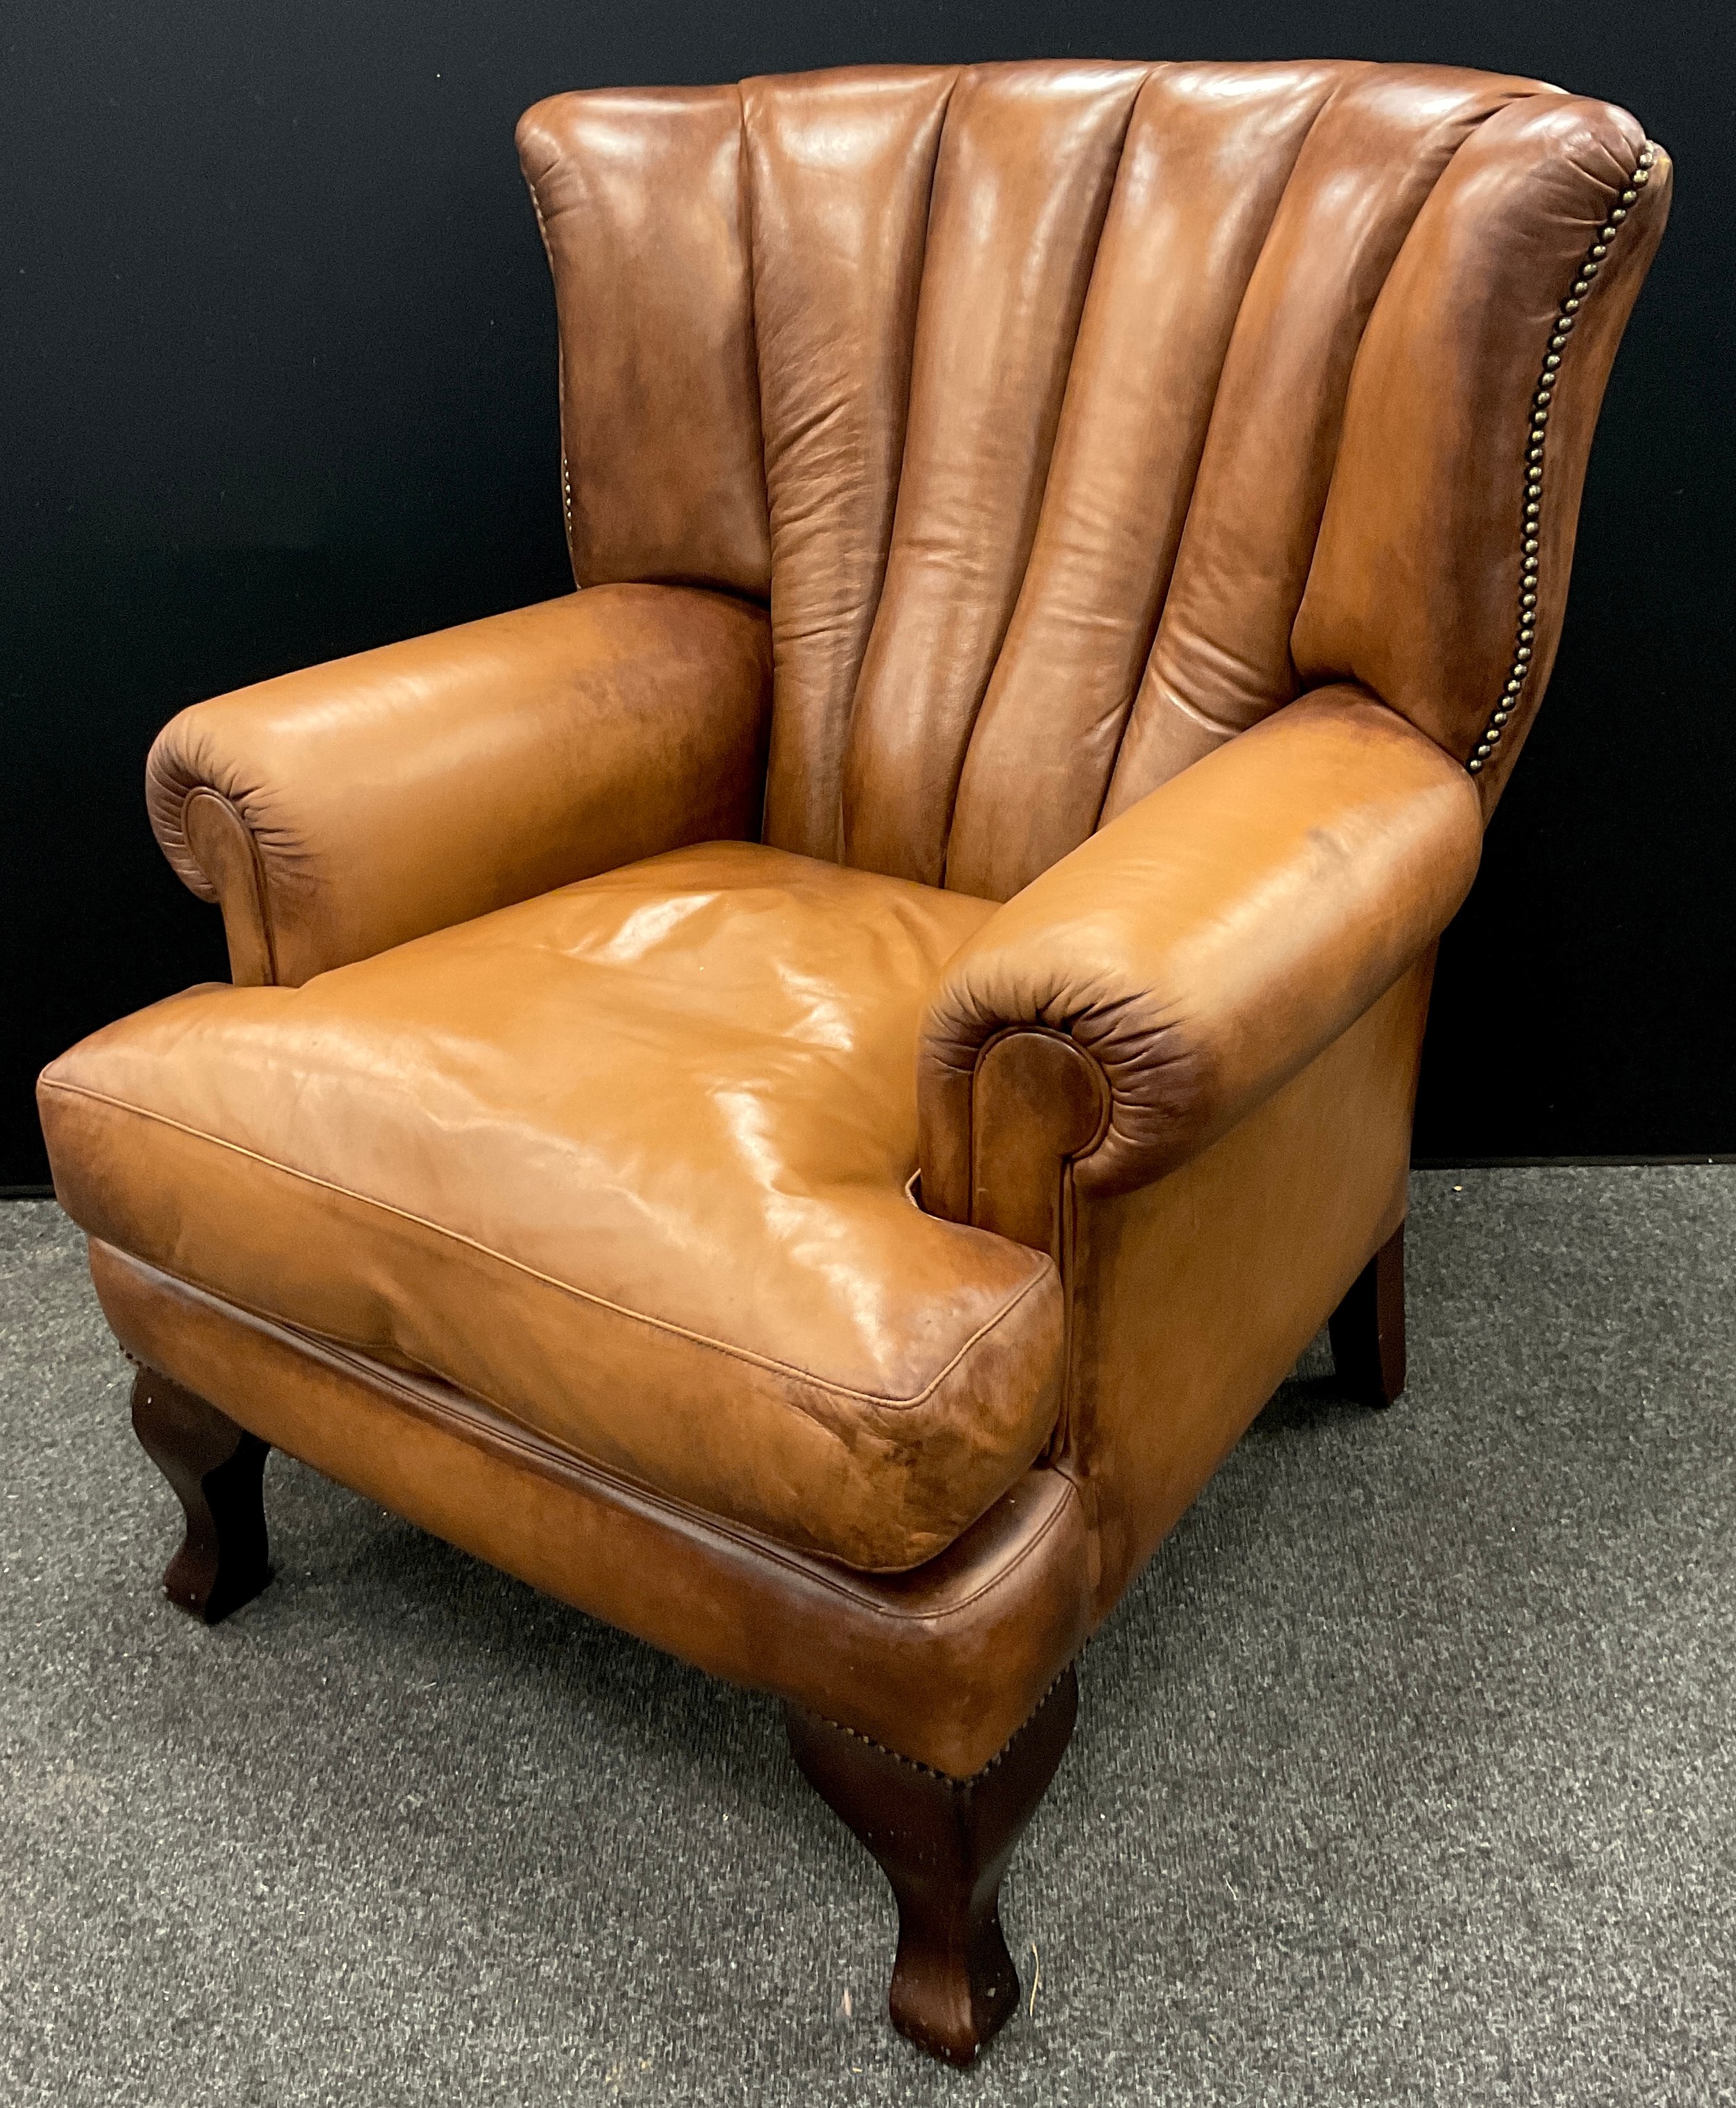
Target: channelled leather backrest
1073,418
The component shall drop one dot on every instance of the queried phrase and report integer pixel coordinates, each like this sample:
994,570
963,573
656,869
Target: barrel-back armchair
802,1096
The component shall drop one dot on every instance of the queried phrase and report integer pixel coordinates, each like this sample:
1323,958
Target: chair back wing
1072,418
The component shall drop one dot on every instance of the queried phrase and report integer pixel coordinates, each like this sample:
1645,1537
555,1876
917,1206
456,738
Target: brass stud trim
1536,445
946,1778
566,480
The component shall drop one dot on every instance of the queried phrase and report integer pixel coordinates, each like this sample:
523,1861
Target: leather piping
768,1361
1056,1450
549,1461
1105,1090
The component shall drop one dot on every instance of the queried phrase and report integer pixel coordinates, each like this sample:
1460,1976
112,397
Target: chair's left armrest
337,812
1151,989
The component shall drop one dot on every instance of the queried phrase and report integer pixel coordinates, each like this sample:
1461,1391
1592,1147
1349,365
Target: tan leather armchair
802,1097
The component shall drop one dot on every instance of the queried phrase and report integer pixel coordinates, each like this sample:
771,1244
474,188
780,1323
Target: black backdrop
277,365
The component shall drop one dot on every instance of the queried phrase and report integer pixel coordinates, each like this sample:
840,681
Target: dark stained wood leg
1367,1327
943,1844
216,1468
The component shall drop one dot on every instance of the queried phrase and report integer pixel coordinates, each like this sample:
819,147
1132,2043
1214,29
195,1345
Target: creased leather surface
626,1161
415,786
1207,945
1026,161
1204,167
1221,658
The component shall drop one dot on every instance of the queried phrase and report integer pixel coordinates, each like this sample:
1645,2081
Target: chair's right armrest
336,811
1151,990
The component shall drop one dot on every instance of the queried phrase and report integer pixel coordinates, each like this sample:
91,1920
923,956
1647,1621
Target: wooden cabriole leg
1367,1327
943,1844
216,1468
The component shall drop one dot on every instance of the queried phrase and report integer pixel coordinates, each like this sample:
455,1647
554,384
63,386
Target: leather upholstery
660,471
840,167
1022,183
943,1664
1207,155
1207,945
803,1095
417,786
1220,661
1060,367
1416,578
626,1161
1192,1297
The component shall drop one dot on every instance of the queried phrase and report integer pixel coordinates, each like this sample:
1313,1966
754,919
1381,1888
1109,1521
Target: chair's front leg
1367,1330
216,1468
943,1844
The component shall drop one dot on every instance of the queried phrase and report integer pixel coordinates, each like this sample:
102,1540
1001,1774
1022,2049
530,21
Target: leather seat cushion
628,1161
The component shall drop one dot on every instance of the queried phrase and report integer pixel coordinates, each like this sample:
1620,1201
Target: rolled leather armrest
336,811
1151,989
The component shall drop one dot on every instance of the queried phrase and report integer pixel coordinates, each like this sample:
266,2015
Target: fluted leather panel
842,166
1206,160
1021,389
1222,660
1026,164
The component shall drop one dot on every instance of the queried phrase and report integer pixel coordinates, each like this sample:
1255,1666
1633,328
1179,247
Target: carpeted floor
1408,1774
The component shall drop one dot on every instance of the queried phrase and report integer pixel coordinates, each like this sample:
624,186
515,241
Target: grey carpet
1405,1775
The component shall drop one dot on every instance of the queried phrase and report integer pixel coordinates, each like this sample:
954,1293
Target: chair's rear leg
216,1468
943,1844
1367,1327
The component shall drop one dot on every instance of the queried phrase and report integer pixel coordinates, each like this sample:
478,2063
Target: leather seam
1356,70
540,1454
767,1362
744,192
1059,1448
552,1459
